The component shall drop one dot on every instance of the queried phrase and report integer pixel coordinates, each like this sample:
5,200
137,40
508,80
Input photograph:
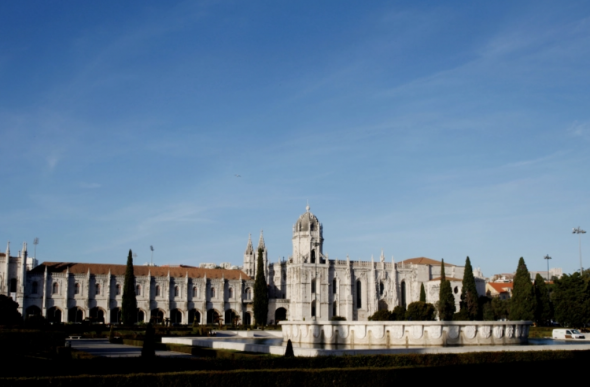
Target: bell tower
308,239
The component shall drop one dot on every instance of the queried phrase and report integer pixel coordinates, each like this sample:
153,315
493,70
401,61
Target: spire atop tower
382,256
308,208
261,244
249,247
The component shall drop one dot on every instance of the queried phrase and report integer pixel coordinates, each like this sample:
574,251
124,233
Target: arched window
313,309
359,295
77,288
403,291
248,294
381,288
157,290
313,256
98,289
55,288
195,291
212,292
456,290
231,293
335,309
118,290
35,287
176,291
13,285
313,286
138,290
335,286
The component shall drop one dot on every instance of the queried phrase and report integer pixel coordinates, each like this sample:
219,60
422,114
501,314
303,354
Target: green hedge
515,372
28,342
223,361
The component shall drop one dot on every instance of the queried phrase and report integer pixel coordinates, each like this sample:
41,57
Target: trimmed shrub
381,315
398,314
420,311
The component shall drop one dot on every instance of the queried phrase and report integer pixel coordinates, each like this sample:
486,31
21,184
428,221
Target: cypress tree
149,343
422,293
129,304
260,293
543,313
446,300
469,297
289,352
522,303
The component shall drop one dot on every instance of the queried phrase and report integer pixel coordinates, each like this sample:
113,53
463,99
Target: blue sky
424,128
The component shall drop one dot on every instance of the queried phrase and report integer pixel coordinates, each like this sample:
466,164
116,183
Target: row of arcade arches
156,316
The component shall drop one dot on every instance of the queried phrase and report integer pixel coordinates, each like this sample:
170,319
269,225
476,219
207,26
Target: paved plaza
103,348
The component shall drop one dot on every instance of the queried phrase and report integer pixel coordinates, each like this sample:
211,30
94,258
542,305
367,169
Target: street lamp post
152,248
579,231
547,258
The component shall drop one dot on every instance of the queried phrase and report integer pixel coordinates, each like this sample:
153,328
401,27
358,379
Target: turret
23,277
261,246
249,261
7,271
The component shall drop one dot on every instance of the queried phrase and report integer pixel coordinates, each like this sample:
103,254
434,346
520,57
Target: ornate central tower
307,271
308,239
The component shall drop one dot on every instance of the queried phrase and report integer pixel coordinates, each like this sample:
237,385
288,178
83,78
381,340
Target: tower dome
307,222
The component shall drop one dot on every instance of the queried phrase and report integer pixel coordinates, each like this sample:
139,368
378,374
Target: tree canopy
469,297
543,307
260,292
420,311
522,303
9,314
129,303
446,300
571,300
422,293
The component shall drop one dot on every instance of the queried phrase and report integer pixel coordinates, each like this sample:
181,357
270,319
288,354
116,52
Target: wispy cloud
580,129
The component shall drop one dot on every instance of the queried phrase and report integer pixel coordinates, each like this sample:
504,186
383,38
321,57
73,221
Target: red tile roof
501,287
425,261
140,271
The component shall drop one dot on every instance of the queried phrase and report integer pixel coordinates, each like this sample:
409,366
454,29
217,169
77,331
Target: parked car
562,334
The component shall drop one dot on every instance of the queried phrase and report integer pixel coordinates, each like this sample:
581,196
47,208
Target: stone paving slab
103,348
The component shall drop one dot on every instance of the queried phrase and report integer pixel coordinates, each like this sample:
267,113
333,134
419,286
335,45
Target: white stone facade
307,287
312,287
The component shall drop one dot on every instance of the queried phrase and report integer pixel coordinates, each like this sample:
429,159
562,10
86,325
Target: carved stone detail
397,331
417,331
485,332
470,331
453,332
498,332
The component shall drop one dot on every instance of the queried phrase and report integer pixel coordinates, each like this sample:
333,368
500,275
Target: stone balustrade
408,333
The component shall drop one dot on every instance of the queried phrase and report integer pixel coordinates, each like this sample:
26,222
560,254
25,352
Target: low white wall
407,333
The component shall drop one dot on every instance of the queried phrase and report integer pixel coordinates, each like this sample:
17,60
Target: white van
562,334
